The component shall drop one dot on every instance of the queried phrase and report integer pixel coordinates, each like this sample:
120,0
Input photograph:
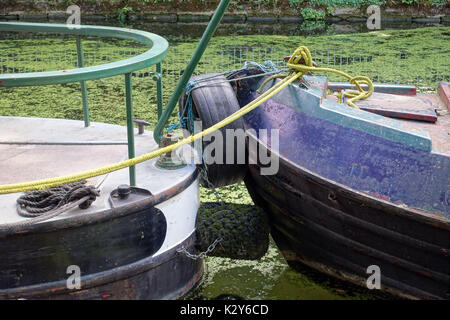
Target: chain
212,246
201,255
204,176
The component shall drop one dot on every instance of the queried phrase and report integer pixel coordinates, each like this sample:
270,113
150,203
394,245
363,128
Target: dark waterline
195,30
192,30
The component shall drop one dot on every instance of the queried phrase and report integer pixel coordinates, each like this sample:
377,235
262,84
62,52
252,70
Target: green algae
267,278
419,57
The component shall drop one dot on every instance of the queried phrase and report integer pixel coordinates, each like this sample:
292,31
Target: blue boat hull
347,196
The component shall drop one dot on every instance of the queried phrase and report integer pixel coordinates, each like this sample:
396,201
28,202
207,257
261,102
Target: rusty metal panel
398,89
402,107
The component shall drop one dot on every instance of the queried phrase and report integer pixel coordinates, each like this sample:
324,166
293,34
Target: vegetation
313,10
335,3
111,6
398,56
311,14
390,56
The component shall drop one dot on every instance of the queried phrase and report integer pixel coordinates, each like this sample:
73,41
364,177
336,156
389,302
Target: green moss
411,56
418,56
311,14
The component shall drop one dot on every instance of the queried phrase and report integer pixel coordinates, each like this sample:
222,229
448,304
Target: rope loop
39,202
361,94
300,63
301,56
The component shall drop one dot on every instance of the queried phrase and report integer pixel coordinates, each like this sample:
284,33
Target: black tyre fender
213,100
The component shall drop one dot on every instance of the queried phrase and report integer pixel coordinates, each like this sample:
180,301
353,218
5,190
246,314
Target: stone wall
190,10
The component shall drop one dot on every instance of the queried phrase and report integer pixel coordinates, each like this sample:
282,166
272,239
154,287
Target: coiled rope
303,53
40,205
39,202
294,63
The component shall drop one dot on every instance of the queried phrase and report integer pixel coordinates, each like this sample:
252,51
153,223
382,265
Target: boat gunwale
103,215
103,277
418,215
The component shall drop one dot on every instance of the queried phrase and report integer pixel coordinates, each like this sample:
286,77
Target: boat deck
421,106
425,114
36,148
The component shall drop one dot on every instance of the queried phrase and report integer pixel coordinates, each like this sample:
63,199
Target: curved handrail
157,52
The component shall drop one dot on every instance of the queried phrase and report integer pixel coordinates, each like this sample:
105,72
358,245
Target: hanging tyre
213,100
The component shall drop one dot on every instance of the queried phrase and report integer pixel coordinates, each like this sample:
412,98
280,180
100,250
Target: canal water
269,277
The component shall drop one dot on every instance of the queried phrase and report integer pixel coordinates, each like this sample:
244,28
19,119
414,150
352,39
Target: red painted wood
404,107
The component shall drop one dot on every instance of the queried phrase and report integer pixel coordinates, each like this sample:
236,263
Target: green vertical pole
80,64
212,26
159,93
130,127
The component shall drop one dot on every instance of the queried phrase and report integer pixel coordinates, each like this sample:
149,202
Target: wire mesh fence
21,53
42,52
39,52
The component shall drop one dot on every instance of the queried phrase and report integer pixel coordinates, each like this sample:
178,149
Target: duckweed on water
419,57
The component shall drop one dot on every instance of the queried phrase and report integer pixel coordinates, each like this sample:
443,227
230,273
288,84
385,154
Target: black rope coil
39,202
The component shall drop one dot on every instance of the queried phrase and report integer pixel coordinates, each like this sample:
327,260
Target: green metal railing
181,85
154,56
158,49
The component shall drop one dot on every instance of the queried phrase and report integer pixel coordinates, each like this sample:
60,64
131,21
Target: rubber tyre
213,101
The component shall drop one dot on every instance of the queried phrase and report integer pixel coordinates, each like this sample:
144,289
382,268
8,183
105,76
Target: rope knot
84,192
189,86
301,56
40,202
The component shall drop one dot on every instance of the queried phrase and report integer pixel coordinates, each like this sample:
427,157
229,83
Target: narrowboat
356,189
122,234
128,244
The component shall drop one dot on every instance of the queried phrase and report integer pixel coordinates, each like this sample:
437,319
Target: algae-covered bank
420,57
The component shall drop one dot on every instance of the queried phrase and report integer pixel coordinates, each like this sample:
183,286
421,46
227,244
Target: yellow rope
304,53
52,182
293,63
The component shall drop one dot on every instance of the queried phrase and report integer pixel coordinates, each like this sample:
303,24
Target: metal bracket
124,194
141,124
156,76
